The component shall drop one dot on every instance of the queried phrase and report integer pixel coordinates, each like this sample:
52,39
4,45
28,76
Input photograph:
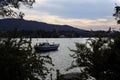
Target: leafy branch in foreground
7,7
19,62
99,59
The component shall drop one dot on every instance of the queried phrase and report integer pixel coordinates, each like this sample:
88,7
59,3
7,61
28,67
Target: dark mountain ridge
28,28
11,24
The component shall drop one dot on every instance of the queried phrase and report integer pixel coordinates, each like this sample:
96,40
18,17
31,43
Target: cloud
80,13
76,22
77,8
46,4
102,20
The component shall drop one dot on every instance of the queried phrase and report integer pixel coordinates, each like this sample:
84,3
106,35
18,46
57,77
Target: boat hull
46,48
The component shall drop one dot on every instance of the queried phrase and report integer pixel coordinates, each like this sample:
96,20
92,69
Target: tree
17,59
98,58
7,6
19,62
117,14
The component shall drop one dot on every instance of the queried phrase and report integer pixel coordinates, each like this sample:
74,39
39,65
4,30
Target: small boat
44,47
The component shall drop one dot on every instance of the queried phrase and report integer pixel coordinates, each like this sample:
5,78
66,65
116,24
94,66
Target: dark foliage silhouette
19,62
99,59
6,7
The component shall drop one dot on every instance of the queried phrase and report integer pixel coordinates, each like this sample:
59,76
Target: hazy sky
84,14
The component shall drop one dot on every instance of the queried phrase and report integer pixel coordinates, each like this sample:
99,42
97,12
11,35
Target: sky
83,14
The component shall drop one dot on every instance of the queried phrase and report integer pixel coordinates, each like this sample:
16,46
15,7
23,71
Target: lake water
61,58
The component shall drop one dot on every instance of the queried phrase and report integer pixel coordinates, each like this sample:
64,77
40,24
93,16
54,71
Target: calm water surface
61,58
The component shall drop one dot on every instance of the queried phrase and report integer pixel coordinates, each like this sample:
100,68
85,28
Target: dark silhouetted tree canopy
117,14
19,62
6,7
98,58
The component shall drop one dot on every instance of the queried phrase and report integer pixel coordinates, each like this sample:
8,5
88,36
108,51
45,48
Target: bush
99,59
18,62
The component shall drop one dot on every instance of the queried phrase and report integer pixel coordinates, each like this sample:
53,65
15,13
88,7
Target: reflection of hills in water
10,24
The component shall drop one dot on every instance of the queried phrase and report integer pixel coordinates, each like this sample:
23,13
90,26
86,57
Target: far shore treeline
54,34
23,28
